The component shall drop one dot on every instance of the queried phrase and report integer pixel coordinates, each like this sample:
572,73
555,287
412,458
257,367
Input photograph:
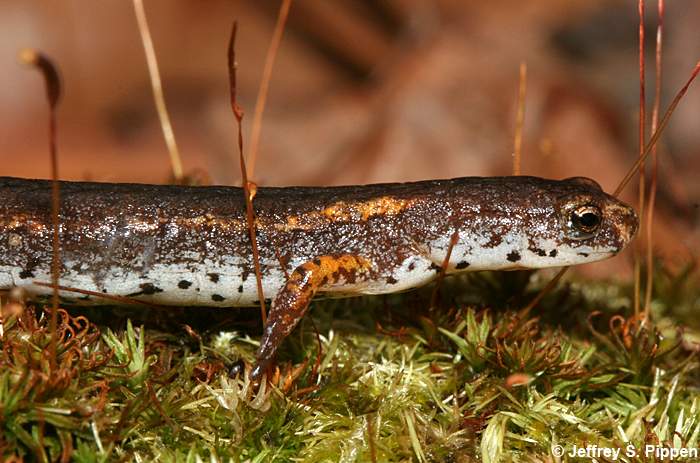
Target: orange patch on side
292,221
386,205
24,220
342,211
339,211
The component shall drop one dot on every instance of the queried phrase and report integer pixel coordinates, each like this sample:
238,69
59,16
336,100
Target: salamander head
594,225
529,222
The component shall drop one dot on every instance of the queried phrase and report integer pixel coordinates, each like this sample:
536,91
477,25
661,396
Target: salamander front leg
293,299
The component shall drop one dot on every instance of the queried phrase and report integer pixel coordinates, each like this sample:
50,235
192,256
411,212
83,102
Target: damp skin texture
189,246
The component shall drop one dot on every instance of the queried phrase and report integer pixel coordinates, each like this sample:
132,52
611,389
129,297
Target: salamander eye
584,221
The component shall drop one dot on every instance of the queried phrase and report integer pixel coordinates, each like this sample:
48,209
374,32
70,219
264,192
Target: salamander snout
623,221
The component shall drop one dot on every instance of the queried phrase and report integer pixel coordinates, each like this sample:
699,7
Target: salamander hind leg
293,299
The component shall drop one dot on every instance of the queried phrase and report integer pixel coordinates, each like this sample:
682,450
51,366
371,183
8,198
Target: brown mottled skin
342,235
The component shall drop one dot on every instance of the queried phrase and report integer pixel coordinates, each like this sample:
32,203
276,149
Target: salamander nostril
632,223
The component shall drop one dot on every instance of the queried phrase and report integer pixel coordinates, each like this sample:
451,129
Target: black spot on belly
462,265
268,301
513,256
244,275
553,253
76,267
217,298
392,280
411,266
435,267
147,289
584,254
214,277
24,274
540,252
150,288
184,284
240,288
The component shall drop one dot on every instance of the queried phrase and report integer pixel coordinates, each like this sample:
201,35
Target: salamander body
189,246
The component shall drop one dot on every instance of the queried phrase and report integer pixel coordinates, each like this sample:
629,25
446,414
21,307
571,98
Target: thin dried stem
544,291
53,93
256,128
249,188
154,73
370,439
642,181
281,261
109,297
655,164
520,119
637,281
657,133
443,269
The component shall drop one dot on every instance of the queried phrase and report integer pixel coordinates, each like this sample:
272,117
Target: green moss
470,380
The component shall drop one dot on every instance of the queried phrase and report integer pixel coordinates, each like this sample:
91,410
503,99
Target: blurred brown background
363,91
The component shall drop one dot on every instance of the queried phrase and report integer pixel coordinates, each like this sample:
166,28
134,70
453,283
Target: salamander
189,246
